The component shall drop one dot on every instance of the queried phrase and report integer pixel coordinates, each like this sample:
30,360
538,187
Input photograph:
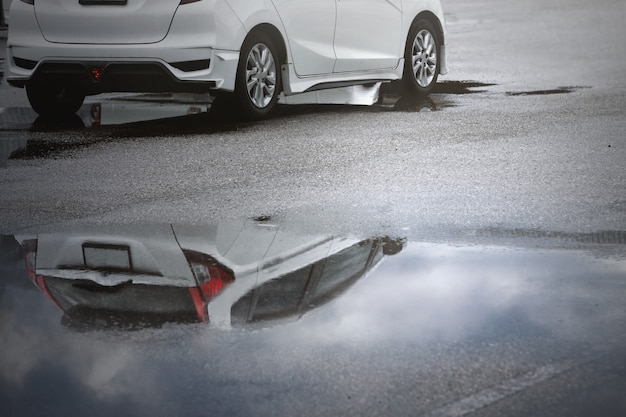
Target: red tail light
30,256
29,248
211,276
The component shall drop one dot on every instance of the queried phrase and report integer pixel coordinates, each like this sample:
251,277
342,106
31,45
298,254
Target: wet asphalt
524,132
517,157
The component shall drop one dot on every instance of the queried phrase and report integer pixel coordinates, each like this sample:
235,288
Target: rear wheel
49,100
421,59
258,77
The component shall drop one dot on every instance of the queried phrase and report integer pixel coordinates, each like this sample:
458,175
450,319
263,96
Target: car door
310,27
368,34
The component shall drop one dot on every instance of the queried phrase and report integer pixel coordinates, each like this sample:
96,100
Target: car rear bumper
132,69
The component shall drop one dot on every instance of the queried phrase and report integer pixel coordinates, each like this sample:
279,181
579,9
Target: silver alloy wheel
260,75
424,58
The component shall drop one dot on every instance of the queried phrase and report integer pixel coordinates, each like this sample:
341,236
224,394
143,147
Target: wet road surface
504,192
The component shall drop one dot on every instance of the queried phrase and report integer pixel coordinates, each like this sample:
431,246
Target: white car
63,50
234,273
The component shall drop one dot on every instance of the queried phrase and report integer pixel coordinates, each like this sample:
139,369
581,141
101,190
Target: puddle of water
143,108
382,97
136,110
392,97
442,87
281,312
17,118
559,90
109,112
412,104
10,144
239,256
461,87
40,148
175,114
114,110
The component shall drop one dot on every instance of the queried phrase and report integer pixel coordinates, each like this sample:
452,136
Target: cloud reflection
440,292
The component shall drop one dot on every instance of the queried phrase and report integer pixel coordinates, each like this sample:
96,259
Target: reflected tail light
211,277
29,248
95,114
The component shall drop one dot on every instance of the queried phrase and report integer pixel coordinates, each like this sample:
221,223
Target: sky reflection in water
395,324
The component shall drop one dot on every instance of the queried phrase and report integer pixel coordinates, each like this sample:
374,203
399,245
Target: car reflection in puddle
143,108
392,96
117,110
239,272
379,97
154,115
293,320
172,114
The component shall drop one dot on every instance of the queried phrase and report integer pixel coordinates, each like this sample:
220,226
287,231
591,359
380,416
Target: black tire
421,66
52,101
259,63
